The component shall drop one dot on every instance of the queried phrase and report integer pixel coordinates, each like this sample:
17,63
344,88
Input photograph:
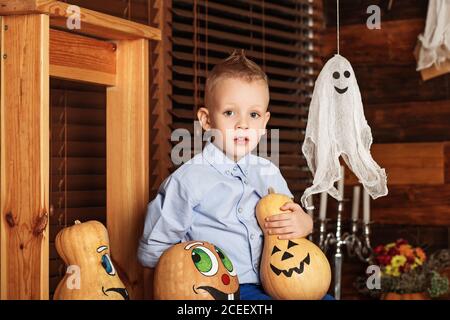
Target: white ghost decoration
337,127
435,41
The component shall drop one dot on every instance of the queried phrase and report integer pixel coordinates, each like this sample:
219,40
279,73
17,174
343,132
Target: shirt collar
222,163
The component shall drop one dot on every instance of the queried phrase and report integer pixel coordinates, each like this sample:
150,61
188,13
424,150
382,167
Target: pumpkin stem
77,222
271,190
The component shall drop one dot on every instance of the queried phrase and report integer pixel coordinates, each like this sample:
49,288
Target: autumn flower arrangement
405,269
399,257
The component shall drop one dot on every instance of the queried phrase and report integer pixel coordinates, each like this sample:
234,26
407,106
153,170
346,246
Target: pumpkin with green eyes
195,270
294,269
84,247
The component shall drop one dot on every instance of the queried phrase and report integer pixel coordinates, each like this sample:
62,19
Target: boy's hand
290,225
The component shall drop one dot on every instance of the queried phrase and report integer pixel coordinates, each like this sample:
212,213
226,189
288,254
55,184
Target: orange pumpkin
293,269
405,296
195,270
84,247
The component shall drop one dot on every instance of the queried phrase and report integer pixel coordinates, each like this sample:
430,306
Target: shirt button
240,210
227,172
246,181
256,265
235,168
246,171
252,236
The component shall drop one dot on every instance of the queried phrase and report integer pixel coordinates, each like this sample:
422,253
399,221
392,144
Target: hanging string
337,25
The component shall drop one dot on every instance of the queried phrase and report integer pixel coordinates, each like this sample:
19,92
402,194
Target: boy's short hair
236,66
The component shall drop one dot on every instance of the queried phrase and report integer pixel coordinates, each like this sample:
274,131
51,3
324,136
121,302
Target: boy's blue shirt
212,198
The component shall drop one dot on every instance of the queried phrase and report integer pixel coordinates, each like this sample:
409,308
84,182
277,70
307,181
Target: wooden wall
400,108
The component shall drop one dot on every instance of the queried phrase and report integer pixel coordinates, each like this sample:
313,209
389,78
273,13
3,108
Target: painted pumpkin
84,247
195,270
293,269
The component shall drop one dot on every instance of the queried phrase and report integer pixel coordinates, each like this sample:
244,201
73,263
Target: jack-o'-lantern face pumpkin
195,271
289,260
294,269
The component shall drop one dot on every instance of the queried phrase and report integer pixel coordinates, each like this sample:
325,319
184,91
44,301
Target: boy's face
237,114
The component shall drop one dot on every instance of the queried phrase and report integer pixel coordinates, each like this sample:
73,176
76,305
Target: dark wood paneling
425,121
355,11
392,44
400,108
394,84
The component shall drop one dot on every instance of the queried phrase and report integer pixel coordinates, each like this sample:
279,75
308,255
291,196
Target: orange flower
419,253
406,250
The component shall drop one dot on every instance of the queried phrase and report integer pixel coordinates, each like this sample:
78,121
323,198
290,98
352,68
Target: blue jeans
250,291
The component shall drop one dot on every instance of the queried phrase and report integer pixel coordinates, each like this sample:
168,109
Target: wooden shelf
93,23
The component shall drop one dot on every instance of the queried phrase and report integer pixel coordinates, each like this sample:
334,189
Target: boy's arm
169,217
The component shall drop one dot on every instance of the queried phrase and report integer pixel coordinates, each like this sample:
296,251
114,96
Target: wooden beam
92,23
425,121
414,205
24,157
384,83
404,205
127,130
392,44
410,163
14,7
79,58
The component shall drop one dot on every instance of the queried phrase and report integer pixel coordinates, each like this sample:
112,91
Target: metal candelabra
356,243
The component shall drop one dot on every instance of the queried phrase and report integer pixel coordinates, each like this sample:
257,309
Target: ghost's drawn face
341,77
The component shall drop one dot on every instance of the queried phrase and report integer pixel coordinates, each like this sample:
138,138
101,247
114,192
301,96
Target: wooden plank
79,58
384,83
414,205
92,23
8,7
24,157
128,158
392,44
409,163
133,10
355,12
418,121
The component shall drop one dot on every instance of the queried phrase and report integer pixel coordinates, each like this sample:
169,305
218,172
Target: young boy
213,196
